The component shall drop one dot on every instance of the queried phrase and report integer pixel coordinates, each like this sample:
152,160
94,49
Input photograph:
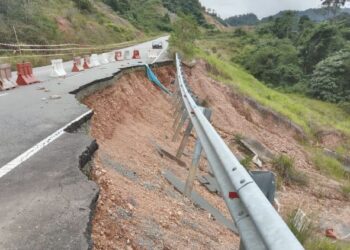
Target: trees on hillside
185,32
331,78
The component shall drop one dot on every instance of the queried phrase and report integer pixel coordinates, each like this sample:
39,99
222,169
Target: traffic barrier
104,58
87,64
152,53
118,56
77,65
111,56
136,54
5,77
57,68
94,60
127,55
25,74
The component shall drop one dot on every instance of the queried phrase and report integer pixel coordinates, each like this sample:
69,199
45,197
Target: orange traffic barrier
118,55
5,77
86,62
25,74
136,54
77,66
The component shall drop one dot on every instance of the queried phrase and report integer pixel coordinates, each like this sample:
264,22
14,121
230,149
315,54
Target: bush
184,34
284,166
84,5
329,165
330,80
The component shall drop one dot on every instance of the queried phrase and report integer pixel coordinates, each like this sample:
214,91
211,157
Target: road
46,201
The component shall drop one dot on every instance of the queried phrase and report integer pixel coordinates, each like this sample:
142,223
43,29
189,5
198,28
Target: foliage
84,5
191,8
240,20
346,190
331,78
284,166
274,62
317,45
185,33
299,109
324,244
303,233
329,165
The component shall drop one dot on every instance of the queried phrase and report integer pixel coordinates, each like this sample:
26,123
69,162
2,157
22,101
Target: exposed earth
139,209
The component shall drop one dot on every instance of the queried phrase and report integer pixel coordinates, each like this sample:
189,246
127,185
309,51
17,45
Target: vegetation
284,166
241,20
184,34
303,230
329,165
309,114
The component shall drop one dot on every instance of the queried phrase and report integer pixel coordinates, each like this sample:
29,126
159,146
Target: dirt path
138,208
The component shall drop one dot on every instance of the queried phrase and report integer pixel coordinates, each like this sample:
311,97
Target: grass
325,244
329,166
346,190
303,231
284,166
310,114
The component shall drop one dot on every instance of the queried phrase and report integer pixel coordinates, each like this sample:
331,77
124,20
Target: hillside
90,22
316,15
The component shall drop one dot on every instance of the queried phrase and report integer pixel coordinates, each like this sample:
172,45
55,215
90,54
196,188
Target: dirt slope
139,209
144,212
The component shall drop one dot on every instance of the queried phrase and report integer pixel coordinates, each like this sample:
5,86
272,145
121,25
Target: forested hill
90,22
316,15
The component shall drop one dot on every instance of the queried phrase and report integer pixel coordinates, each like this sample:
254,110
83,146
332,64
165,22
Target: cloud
261,8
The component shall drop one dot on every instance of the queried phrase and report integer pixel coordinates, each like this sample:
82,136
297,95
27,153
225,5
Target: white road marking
160,54
36,148
3,94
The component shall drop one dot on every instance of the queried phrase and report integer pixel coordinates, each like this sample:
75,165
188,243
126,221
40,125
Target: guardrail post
184,140
179,126
196,159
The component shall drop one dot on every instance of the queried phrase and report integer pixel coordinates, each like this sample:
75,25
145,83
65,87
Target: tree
331,78
334,3
185,33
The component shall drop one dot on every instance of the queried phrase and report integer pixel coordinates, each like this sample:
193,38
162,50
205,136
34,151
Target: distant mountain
316,15
241,20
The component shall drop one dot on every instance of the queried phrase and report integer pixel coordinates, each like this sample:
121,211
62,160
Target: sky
262,8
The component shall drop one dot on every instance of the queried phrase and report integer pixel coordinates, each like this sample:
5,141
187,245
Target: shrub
329,165
84,5
284,166
330,80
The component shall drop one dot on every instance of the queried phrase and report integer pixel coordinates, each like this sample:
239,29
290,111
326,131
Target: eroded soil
138,208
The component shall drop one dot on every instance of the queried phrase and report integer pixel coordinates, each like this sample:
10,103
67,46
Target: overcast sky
261,8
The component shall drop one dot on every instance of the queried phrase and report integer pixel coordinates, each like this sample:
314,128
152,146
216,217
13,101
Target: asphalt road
45,199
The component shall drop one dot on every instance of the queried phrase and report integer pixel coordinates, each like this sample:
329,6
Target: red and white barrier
86,63
103,58
119,55
25,74
57,68
94,60
77,64
127,55
136,54
5,77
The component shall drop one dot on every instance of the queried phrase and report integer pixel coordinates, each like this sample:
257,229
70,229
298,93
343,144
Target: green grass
284,166
346,190
326,244
329,165
310,114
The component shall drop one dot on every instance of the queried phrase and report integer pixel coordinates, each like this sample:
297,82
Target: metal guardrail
258,223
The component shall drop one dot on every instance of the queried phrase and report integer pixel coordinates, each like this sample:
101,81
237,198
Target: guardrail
258,223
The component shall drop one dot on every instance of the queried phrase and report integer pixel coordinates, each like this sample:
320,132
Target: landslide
139,209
